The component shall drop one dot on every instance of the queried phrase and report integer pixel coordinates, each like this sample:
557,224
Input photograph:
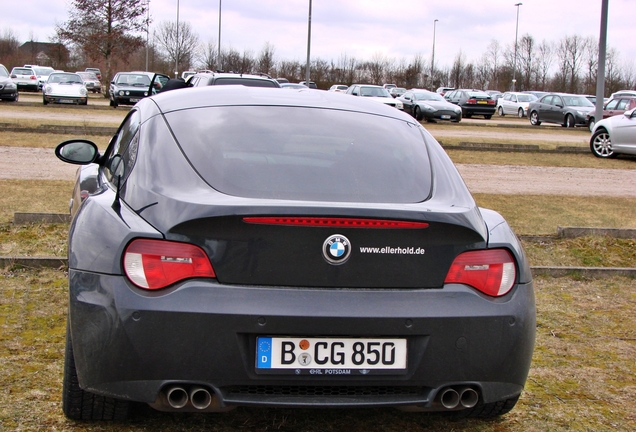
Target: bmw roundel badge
336,249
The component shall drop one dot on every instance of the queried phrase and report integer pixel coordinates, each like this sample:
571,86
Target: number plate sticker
330,356
445,117
135,99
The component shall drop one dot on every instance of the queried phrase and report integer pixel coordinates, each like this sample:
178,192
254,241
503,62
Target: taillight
156,264
491,102
490,271
33,77
471,101
334,222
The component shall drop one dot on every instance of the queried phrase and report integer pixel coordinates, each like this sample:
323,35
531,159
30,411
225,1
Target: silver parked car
514,103
614,135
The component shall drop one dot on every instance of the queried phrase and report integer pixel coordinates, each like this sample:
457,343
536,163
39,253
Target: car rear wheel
500,111
569,121
601,145
520,113
591,124
78,404
534,118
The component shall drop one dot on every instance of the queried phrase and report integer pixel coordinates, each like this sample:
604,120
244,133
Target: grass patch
46,140
583,375
582,252
49,240
542,214
46,196
539,159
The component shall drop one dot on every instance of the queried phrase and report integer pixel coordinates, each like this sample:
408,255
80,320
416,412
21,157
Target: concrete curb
588,272
516,148
61,129
47,218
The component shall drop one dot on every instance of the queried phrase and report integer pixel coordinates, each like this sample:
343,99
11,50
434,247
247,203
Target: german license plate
330,356
134,99
482,102
67,101
445,117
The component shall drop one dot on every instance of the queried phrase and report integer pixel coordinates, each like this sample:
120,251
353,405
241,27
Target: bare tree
544,63
457,72
208,55
591,66
526,53
105,30
180,46
265,62
570,51
9,45
494,57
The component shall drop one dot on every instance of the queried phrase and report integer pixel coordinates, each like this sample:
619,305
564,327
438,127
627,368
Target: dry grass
542,214
582,252
46,140
583,376
51,196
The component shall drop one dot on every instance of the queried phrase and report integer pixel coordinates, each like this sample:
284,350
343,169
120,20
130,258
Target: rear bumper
132,345
65,99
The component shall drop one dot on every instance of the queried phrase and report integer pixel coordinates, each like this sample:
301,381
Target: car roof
206,96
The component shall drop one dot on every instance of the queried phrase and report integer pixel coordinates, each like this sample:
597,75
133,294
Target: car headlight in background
83,91
428,107
47,89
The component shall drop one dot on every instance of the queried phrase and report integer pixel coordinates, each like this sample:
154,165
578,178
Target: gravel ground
41,164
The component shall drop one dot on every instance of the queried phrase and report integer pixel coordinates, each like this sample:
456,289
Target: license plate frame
331,356
135,99
445,117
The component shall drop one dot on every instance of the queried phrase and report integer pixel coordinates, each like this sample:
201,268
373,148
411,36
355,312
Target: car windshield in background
247,82
429,97
526,98
478,94
374,92
260,152
577,101
43,70
65,78
137,80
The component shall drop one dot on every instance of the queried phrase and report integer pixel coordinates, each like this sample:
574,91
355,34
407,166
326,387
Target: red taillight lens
156,264
492,272
334,222
491,102
471,101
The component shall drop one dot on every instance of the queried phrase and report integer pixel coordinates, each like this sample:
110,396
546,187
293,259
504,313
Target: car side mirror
78,152
14,76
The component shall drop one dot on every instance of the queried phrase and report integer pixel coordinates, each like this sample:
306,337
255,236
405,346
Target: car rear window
22,71
305,153
247,82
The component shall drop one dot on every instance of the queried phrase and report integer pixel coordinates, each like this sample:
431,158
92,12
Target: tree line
115,36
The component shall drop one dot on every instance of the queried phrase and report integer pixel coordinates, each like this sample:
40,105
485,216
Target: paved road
41,164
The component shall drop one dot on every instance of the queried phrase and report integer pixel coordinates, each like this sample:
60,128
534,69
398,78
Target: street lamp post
514,61
176,57
218,56
433,55
308,46
147,30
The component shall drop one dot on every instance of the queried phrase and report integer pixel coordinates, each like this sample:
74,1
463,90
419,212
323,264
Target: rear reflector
335,222
156,264
492,271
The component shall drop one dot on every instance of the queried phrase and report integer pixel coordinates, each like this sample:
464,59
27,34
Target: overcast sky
397,29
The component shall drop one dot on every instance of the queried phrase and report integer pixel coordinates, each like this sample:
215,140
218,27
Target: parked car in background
537,94
96,71
25,79
311,84
443,90
338,88
397,91
91,81
568,110
374,93
282,80
514,103
623,93
495,94
615,135
64,88
186,74
429,106
8,89
204,79
472,102
613,107
388,86
254,247
128,88
42,72
293,86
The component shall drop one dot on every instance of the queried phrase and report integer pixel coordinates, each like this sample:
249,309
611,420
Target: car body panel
272,279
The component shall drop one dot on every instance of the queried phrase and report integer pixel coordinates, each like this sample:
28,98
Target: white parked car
375,93
514,103
42,72
615,135
338,88
25,78
91,81
64,87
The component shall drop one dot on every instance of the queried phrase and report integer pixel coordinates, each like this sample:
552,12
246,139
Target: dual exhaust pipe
462,397
200,398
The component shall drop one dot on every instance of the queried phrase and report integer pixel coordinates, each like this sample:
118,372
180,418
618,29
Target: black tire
601,145
44,101
15,99
458,119
534,118
569,121
78,404
488,117
114,103
520,113
417,113
500,111
487,410
468,115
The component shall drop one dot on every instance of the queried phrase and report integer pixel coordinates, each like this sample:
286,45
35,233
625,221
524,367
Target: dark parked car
473,102
243,246
223,78
568,110
614,107
8,89
128,88
429,106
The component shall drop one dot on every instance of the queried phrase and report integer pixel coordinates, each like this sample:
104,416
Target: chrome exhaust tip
177,397
449,398
200,398
468,397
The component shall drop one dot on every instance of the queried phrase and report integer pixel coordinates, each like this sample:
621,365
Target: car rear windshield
305,153
22,71
247,82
